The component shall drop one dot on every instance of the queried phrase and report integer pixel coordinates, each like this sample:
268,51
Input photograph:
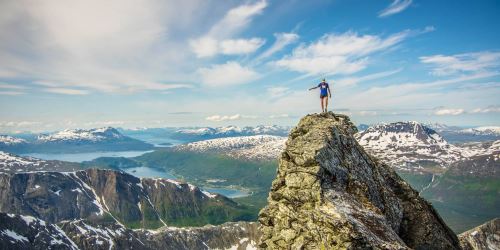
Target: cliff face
330,194
112,196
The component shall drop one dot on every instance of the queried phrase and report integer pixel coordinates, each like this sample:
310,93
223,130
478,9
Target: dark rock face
112,196
484,237
26,232
330,194
478,166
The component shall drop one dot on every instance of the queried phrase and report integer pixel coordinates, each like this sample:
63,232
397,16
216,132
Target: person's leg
326,104
321,100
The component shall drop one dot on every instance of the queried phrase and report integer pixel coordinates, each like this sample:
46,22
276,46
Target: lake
147,172
80,157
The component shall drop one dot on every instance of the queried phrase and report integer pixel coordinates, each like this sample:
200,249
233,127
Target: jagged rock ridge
330,194
27,232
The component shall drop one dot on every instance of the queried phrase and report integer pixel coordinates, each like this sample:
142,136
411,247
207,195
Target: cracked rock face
330,194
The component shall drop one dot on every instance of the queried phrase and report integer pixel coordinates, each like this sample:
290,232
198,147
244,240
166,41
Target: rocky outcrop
112,196
330,194
483,237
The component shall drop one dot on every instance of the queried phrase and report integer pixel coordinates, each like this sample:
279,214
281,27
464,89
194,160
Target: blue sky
213,63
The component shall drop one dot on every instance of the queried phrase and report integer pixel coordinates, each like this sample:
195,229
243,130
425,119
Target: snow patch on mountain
480,148
263,147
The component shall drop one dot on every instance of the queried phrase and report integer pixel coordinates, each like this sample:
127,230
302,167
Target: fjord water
146,172
80,157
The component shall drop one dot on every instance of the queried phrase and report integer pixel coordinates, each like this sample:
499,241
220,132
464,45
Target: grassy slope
463,202
198,168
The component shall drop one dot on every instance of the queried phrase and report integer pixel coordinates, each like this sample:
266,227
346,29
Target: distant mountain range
204,133
74,141
455,134
256,147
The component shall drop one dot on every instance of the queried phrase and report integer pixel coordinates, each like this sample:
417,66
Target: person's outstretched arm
314,87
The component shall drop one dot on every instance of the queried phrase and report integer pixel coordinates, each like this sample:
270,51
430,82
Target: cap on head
324,80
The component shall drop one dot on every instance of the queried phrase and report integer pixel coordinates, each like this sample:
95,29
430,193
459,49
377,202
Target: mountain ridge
330,194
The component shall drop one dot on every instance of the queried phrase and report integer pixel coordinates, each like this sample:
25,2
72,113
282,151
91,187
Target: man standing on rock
324,94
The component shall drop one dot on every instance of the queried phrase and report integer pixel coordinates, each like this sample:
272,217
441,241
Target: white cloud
104,123
11,89
230,73
345,53
275,92
11,86
11,92
236,19
354,80
406,94
67,91
395,7
448,111
367,113
279,116
208,47
204,47
463,63
217,39
19,124
489,109
117,46
282,40
221,118
241,46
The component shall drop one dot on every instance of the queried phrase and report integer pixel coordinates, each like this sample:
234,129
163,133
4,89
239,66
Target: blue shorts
322,96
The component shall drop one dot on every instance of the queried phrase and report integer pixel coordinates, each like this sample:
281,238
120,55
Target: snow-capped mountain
454,134
487,130
204,133
9,140
74,141
263,147
408,145
89,135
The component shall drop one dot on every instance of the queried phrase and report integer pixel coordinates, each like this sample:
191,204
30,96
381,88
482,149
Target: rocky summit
330,194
